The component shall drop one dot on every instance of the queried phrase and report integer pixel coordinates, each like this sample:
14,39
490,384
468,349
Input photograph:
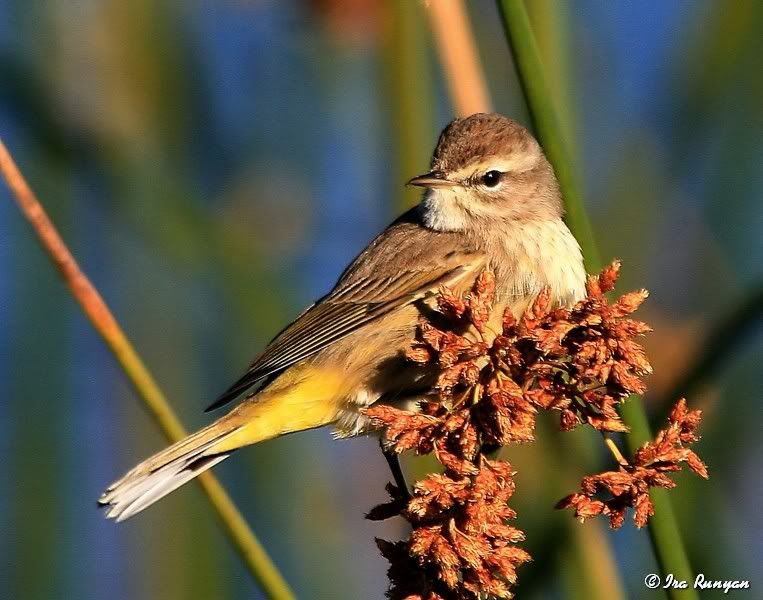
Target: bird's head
487,169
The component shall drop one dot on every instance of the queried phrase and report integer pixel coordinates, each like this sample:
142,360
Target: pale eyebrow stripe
519,164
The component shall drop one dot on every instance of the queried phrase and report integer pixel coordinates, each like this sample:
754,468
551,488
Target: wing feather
361,296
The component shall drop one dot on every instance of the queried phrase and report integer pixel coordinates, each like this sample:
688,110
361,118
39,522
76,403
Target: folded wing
404,264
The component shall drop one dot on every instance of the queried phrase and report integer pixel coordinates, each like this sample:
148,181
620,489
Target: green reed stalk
663,527
591,558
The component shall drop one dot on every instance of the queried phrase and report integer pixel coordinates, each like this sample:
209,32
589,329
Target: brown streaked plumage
491,202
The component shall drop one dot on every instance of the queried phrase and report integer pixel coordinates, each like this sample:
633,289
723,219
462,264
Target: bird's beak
433,179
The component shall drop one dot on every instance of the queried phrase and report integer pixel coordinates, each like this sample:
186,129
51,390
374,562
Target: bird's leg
393,460
490,450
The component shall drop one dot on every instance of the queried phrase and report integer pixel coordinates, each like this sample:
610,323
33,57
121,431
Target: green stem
592,564
663,527
546,123
99,314
664,532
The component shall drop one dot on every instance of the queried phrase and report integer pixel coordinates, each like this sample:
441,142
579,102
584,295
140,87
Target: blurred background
215,164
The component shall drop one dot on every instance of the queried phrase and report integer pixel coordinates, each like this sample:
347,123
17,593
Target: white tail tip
163,473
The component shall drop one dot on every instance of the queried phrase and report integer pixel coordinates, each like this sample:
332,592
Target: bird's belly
373,364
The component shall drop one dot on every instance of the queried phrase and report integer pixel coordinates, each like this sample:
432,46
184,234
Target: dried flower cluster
461,545
629,485
581,361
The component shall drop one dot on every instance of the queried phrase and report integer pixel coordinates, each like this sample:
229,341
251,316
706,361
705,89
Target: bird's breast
535,255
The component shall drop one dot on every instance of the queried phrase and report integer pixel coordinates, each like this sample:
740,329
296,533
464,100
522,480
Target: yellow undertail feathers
307,398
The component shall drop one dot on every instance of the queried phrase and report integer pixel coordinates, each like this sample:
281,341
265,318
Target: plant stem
96,310
457,52
546,123
459,58
663,528
614,450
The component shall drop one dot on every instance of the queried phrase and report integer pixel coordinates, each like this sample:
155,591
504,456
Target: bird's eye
491,178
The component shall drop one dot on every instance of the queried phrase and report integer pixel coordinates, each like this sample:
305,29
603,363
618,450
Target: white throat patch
442,210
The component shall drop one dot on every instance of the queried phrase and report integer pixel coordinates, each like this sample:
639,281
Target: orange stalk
459,56
96,310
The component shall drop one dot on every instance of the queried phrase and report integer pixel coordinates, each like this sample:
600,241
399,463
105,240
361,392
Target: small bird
491,202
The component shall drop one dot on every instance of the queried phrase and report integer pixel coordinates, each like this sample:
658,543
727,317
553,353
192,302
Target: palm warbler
491,201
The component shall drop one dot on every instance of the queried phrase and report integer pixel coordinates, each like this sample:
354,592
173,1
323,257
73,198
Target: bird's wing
404,264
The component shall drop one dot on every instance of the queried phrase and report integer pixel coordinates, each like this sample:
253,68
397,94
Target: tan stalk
96,310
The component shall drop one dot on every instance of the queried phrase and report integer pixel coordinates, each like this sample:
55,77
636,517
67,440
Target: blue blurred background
215,164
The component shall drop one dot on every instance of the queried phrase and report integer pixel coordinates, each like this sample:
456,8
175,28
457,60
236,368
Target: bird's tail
302,403
164,472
